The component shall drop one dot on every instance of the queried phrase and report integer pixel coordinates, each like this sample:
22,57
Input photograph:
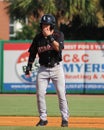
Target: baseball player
48,44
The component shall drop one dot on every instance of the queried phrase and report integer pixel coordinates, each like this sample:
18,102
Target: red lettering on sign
75,58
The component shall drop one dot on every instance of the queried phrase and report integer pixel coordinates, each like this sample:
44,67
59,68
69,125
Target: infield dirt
74,122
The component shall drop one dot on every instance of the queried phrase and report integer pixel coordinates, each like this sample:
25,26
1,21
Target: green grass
44,128
21,105
90,106
25,105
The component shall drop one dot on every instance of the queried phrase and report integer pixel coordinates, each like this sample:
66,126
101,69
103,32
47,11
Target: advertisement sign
15,61
84,66
82,62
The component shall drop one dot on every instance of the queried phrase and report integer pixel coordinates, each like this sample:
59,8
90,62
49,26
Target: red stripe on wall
14,46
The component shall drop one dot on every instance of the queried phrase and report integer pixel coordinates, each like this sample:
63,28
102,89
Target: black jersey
47,54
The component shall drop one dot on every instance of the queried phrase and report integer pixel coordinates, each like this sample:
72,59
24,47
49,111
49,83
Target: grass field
45,128
25,105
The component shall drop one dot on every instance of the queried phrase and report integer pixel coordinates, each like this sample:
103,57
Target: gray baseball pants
56,74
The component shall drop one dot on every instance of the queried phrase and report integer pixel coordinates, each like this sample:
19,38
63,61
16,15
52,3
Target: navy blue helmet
48,19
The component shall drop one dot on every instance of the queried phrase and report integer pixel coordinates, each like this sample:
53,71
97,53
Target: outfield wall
83,63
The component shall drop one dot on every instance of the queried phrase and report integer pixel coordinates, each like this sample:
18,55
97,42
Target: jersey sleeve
32,51
60,39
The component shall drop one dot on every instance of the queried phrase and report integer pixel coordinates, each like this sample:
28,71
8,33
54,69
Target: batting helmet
48,19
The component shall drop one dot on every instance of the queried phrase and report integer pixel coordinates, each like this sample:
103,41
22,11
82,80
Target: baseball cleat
42,123
64,123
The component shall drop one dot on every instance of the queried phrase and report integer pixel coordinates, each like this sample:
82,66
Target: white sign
83,65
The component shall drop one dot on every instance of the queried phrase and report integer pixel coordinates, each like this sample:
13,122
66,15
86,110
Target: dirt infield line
74,122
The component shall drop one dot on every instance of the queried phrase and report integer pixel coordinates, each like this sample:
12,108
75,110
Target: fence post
1,66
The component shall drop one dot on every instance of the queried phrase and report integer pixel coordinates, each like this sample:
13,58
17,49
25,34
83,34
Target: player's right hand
27,72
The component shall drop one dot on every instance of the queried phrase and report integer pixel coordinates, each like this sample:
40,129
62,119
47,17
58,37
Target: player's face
45,27
46,30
